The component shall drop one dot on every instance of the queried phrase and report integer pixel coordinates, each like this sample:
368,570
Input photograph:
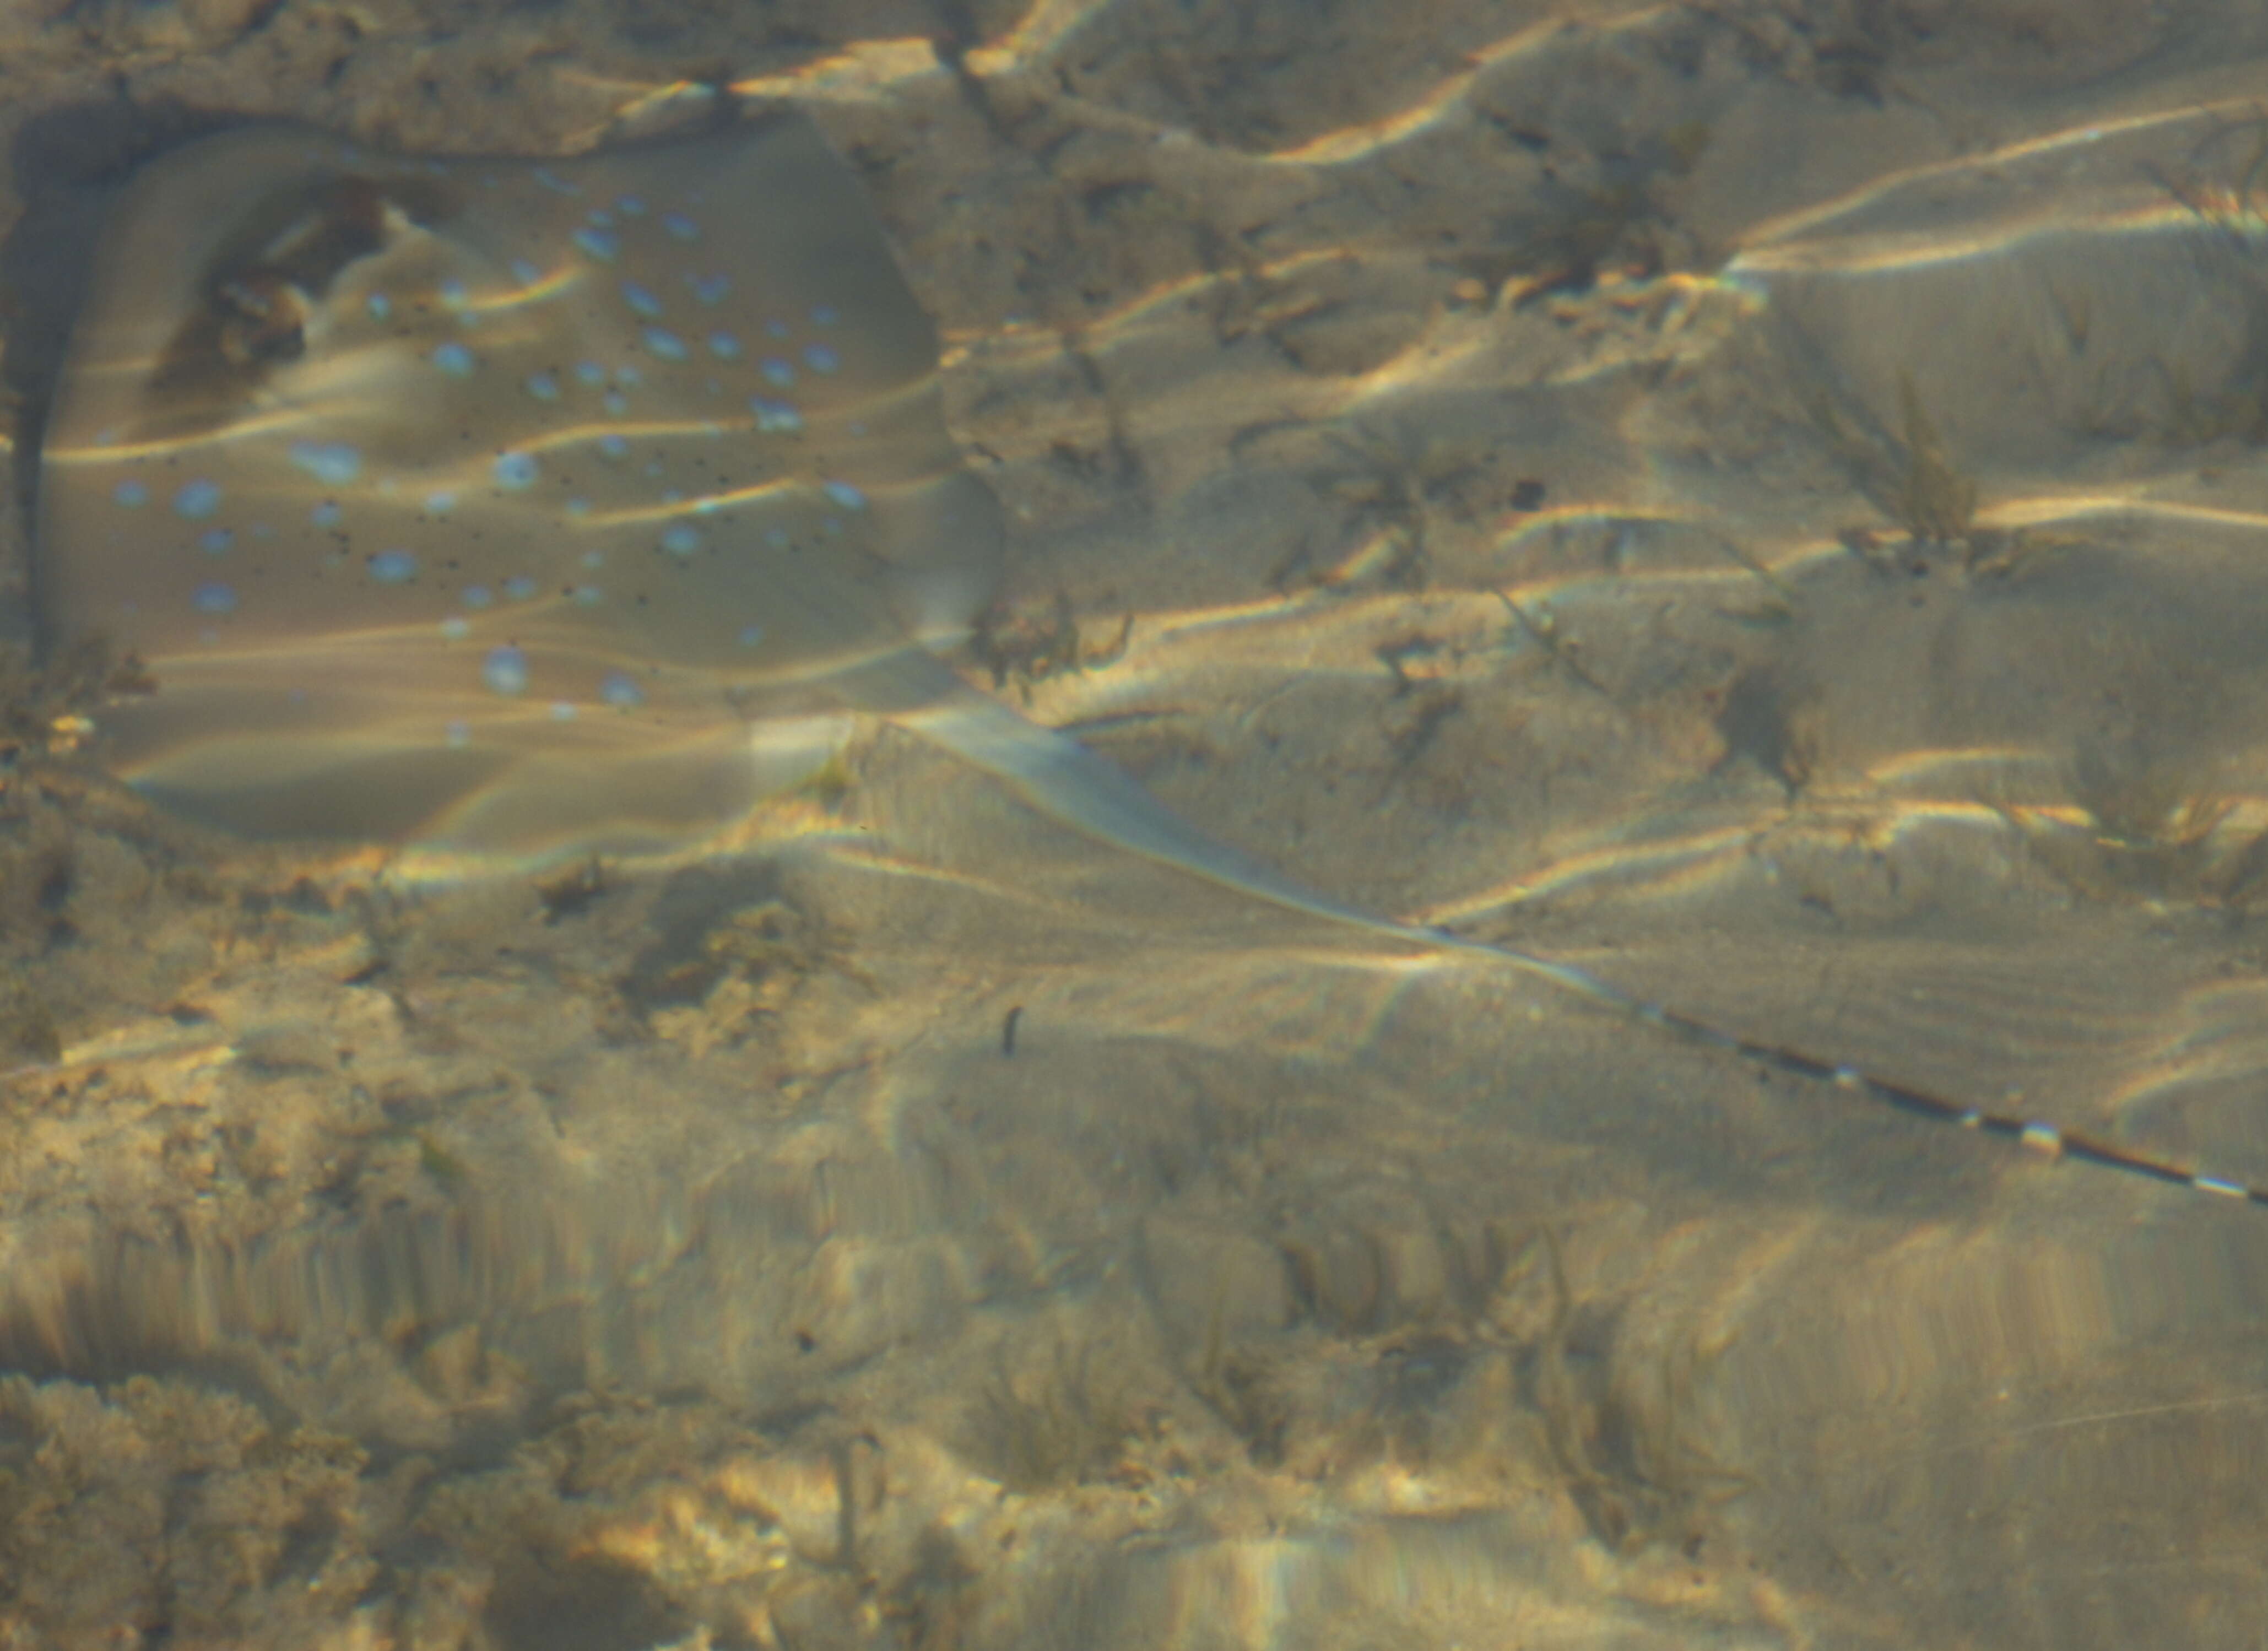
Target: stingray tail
1064,780
1061,778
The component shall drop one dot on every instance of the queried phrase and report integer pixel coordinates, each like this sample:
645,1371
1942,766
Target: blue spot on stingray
505,670
197,500
613,446
775,538
775,418
664,344
843,494
561,712
751,634
453,292
590,372
641,300
629,377
619,691
477,596
514,472
215,541
525,273
380,306
440,503
710,289
325,515
215,599
597,243
579,507
393,567
679,540
616,404
543,387
630,206
588,595
724,346
458,735
778,371
455,627
824,315
820,358
130,495
682,227
519,587
776,329
332,462
453,359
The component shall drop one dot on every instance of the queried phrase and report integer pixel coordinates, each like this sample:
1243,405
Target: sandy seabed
1761,499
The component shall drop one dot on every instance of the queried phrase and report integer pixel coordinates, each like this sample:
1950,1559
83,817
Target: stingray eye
261,320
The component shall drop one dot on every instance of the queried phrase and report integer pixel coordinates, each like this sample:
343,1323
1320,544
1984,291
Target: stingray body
498,512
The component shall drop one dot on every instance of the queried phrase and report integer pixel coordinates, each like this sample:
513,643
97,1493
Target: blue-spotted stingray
499,512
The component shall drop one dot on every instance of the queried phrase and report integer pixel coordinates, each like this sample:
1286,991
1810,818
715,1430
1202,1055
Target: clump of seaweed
2222,204
1053,1412
1585,221
2155,830
1924,491
1395,487
1937,503
742,927
1771,718
1026,646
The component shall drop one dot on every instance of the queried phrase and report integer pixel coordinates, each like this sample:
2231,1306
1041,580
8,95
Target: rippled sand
1766,503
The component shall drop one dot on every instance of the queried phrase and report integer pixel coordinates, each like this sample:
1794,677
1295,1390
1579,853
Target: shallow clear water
1760,504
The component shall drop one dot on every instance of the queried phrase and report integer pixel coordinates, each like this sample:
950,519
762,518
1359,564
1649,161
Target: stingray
489,509
499,511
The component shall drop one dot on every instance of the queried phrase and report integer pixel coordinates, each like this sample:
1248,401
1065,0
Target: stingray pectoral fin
260,790
1067,783
671,797
378,739
944,538
488,808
